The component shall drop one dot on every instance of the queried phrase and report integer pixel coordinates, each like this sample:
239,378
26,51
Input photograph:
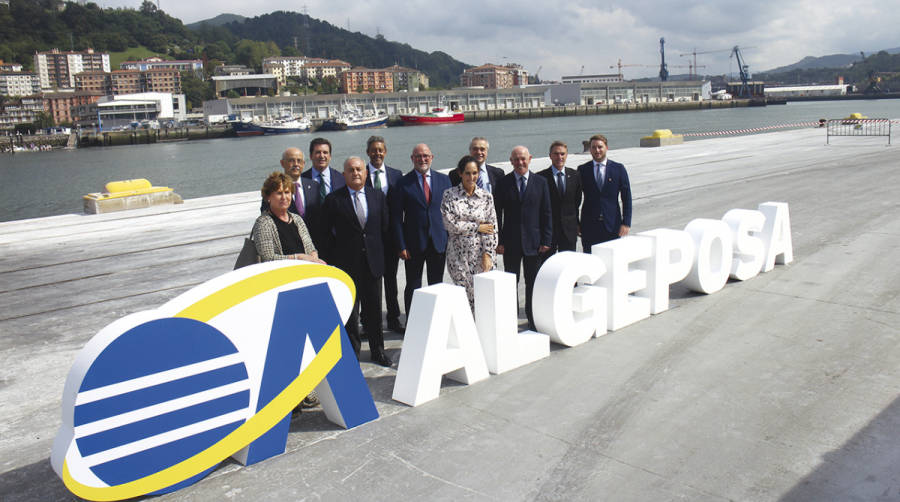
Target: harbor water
50,183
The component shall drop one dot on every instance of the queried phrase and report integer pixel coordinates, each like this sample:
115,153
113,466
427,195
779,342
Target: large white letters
496,319
673,256
748,248
776,234
577,296
440,339
569,314
622,307
712,263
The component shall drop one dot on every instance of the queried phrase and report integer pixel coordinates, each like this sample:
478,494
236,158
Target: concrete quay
783,387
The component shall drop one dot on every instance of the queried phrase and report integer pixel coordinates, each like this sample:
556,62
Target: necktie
559,183
298,199
323,190
377,179
426,188
360,212
599,176
480,182
522,188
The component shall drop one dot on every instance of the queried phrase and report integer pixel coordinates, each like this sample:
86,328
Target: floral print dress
465,246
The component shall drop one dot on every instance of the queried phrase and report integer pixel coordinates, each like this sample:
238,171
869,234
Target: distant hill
316,38
217,21
829,61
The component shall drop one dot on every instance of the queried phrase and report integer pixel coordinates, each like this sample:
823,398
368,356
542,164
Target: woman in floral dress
471,222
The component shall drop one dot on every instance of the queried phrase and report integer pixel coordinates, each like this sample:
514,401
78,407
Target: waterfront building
394,103
593,79
19,83
22,110
232,70
755,88
130,81
61,104
57,70
157,63
317,70
408,78
248,85
806,90
366,80
124,109
10,66
491,76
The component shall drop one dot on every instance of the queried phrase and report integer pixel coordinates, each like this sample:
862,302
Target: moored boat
351,117
439,115
286,125
245,127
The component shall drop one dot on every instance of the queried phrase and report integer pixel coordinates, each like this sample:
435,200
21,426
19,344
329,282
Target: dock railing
858,127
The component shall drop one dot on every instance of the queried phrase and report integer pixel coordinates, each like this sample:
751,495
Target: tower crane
695,52
619,65
690,68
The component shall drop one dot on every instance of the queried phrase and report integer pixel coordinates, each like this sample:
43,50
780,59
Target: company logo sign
157,399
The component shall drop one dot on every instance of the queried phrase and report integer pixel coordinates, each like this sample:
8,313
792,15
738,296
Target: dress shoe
380,358
396,327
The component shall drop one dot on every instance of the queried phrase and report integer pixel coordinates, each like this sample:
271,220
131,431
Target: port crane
690,67
663,70
744,71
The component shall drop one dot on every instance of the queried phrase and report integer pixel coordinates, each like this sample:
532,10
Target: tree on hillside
251,53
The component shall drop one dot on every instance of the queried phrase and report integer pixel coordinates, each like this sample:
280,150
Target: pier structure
783,387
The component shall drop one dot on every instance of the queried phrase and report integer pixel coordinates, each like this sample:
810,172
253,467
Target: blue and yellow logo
156,400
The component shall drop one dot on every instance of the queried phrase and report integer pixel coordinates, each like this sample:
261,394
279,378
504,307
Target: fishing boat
244,126
351,117
438,115
286,125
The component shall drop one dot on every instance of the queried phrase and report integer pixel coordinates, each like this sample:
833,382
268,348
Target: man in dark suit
417,221
488,175
564,184
603,182
385,178
525,220
329,180
306,191
356,216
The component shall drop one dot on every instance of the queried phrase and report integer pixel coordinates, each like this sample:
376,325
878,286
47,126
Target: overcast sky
561,37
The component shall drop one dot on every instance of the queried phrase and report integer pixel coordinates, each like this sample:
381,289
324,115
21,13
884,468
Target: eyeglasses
422,156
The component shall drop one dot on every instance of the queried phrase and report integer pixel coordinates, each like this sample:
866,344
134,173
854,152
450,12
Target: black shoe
396,327
380,358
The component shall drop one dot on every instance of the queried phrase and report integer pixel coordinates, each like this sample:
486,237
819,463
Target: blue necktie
522,188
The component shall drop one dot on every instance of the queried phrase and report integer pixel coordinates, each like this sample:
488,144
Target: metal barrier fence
858,127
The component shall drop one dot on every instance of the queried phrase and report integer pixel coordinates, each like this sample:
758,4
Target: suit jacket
604,203
413,220
337,179
310,197
494,176
565,205
350,241
525,224
393,177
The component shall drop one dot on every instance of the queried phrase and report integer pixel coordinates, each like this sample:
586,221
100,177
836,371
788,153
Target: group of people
368,217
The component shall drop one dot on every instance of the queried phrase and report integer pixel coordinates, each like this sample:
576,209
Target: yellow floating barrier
129,194
662,137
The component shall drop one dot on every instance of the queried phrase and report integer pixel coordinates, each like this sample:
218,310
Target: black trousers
391,264
415,264
604,237
511,263
368,298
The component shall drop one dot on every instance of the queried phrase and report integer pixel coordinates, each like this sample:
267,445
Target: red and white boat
439,115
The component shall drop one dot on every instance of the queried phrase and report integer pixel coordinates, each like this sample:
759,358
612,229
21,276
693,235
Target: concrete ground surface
783,387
